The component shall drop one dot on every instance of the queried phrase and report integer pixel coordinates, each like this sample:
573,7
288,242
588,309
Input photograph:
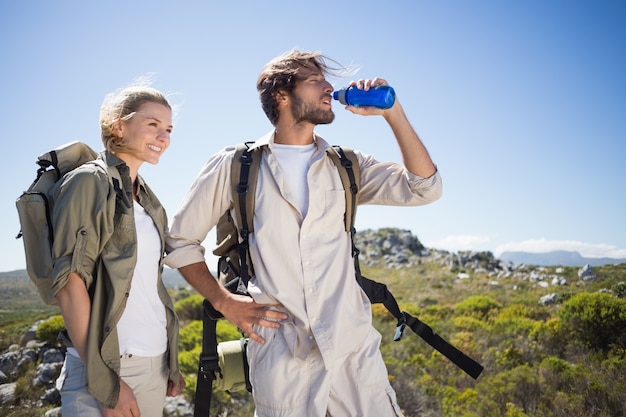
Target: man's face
311,99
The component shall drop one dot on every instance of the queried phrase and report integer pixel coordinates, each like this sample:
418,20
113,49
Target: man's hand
240,310
243,312
366,84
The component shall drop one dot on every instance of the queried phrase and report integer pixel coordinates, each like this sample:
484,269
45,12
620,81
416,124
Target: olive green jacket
95,237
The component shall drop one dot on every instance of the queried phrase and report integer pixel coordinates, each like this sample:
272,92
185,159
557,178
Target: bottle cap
340,95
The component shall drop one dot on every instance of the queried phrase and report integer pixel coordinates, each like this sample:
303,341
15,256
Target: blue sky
522,104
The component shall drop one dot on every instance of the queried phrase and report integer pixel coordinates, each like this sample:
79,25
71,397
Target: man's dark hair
282,73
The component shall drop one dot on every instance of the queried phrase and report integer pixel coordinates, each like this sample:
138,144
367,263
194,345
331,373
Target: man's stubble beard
303,112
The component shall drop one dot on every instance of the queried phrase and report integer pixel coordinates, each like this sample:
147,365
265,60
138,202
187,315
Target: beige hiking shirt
303,264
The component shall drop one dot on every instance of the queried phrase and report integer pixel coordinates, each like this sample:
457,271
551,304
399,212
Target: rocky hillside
393,252
400,249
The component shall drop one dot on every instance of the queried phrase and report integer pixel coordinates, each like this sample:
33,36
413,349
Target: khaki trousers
146,376
357,385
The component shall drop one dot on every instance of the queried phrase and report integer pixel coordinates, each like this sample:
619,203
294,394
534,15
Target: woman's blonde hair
119,106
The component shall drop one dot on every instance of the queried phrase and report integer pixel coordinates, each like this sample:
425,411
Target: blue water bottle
381,96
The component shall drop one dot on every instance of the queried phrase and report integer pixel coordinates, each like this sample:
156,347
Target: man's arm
414,154
240,310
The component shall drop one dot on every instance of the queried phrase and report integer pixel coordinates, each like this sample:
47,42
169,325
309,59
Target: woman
121,329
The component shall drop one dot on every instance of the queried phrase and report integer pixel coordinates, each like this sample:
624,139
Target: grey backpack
35,205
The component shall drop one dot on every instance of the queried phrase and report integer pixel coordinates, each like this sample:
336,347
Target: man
314,350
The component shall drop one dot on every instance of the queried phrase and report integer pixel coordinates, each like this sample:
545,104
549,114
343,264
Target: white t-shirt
142,327
294,160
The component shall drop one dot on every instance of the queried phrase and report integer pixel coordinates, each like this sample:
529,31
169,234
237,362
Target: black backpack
217,361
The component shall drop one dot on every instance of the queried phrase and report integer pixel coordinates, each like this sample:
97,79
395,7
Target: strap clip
400,328
209,366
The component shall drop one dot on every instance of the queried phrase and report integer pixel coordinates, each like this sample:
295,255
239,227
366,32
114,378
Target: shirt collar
268,139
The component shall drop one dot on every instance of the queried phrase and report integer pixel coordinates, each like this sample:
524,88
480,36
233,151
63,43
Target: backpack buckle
400,328
246,157
209,366
242,188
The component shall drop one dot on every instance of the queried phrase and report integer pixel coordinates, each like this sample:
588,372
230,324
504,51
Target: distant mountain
556,258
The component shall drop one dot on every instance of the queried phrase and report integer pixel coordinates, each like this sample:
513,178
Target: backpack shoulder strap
244,173
243,180
208,365
112,173
349,171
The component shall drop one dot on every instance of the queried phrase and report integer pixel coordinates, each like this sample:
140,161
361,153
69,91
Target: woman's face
146,134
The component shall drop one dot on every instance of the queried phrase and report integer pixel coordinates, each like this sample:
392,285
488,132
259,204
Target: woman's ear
118,128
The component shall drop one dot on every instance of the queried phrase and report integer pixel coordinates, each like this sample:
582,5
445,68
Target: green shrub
226,331
188,361
522,310
549,335
468,323
190,336
597,320
48,330
190,308
430,313
513,326
520,386
480,306
509,357
558,375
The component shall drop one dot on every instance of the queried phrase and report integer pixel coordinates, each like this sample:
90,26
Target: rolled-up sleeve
428,188
389,183
208,198
82,221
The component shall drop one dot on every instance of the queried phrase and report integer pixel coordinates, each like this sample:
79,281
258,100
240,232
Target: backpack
35,205
224,365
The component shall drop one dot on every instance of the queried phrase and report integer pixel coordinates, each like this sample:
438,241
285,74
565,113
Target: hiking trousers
357,385
147,376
